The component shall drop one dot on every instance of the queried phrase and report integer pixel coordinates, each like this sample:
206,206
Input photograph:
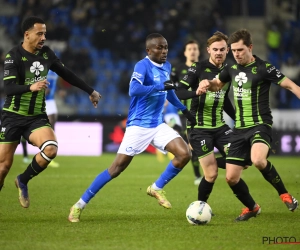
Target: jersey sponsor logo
271,69
36,68
8,61
6,72
239,92
216,95
136,75
254,70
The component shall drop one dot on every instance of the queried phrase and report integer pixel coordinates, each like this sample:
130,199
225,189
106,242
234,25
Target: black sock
204,189
221,162
24,145
31,171
241,191
271,175
196,165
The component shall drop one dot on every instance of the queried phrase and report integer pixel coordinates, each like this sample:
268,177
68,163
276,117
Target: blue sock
96,185
167,175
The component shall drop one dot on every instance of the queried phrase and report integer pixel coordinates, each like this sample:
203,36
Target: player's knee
186,156
49,150
260,163
4,167
231,180
211,177
116,170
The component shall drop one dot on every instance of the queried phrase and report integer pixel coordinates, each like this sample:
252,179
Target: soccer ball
198,213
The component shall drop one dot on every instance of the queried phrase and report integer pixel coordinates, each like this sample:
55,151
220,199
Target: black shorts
241,141
204,140
14,126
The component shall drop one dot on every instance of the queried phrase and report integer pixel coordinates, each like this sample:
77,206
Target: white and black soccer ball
198,213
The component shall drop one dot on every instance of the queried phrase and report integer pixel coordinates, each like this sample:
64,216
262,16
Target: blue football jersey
52,79
147,111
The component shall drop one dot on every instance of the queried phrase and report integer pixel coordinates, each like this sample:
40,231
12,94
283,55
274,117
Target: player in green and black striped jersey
251,78
210,130
25,81
191,53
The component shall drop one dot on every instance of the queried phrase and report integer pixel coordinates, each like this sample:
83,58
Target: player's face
217,52
242,54
158,50
36,36
192,52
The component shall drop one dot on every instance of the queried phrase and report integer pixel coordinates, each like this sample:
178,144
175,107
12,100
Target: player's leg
237,158
25,153
169,140
10,134
210,171
259,153
51,110
194,160
241,191
44,138
118,166
7,151
135,141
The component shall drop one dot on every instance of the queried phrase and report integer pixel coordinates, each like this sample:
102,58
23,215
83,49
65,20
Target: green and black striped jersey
251,86
208,107
177,73
24,68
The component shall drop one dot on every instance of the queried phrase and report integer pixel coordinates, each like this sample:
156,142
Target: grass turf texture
122,216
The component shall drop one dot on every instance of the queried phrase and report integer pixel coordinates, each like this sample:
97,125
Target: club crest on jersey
36,68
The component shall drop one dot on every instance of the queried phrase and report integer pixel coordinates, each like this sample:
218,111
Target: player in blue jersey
51,108
149,88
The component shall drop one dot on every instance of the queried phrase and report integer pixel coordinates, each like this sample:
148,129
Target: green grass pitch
122,216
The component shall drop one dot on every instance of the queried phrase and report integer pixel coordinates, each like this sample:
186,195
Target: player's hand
37,86
190,118
95,97
203,87
170,85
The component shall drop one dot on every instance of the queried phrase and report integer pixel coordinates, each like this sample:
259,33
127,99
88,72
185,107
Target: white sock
155,187
80,204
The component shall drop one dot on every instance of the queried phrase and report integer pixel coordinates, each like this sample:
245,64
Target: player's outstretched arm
291,86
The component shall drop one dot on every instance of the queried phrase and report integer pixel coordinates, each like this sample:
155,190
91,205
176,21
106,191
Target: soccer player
211,130
51,108
149,88
191,53
25,71
251,78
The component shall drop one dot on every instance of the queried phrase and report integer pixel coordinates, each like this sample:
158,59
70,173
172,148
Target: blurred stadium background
102,40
